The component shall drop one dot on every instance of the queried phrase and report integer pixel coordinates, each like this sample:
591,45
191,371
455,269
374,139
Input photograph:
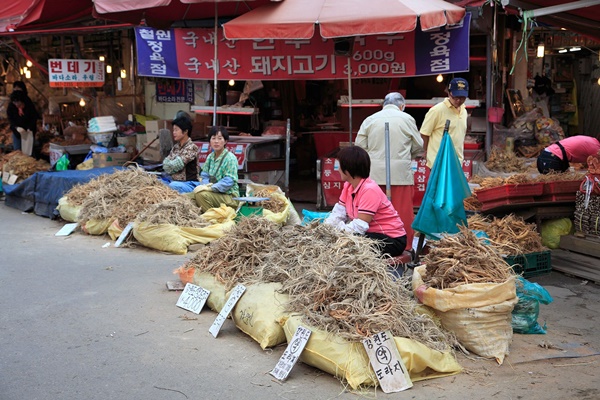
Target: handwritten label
193,298
291,354
387,363
231,301
124,234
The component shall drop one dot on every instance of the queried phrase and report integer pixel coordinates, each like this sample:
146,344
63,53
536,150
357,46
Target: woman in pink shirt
363,208
574,149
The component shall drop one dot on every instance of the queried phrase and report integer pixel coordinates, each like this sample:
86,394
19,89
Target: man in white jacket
405,145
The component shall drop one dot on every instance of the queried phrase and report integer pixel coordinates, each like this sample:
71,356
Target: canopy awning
163,13
296,19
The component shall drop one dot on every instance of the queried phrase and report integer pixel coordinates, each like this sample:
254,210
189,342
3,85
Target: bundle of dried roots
510,234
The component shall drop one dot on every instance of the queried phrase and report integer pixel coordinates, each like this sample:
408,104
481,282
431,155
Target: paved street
80,321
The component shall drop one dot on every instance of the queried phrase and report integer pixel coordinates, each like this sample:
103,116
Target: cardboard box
152,129
129,142
151,155
102,160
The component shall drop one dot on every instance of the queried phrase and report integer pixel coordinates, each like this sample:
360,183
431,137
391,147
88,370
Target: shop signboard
188,53
175,91
75,73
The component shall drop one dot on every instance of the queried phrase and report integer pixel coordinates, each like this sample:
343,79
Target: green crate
531,264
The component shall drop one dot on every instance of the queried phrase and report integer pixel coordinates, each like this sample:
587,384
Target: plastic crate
562,197
531,264
561,187
473,146
488,205
509,191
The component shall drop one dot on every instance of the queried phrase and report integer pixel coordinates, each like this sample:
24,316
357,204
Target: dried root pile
102,203
140,200
276,205
23,166
504,162
471,203
464,258
180,211
510,235
553,176
336,281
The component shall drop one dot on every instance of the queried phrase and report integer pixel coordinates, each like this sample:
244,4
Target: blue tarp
442,207
41,191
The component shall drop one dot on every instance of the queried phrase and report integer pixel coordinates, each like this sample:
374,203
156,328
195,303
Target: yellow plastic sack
176,239
349,360
97,226
216,299
89,164
289,216
463,296
479,314
553,229
258,311
67,211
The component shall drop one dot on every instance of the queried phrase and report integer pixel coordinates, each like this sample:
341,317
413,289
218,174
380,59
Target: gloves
202,188
337,217
356,226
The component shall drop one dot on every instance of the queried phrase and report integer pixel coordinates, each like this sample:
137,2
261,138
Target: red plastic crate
557,197
510,191
473,146
488,205
560,187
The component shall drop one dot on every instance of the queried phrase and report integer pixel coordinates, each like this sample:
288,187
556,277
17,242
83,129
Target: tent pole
215,67
349,100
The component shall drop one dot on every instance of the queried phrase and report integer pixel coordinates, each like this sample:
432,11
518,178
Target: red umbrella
296,19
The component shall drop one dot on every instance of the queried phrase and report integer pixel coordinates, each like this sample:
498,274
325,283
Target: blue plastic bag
526,311
309,216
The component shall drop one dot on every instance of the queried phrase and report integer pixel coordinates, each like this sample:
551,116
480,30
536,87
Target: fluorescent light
575,49
540,51
562,50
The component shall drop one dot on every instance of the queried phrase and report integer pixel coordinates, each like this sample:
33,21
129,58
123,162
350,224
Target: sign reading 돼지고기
75,73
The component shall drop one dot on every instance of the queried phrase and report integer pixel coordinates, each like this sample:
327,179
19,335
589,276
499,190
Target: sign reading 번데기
188,53
75,73
175,91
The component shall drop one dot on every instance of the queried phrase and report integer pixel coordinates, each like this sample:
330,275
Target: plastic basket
531,264
561,187
488,205
495,114
510,191
561,197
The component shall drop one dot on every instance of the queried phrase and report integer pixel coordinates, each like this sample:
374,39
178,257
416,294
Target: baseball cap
459,87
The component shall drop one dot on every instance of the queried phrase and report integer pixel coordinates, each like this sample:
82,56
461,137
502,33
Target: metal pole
574,5
215,66
388,185
287,158
131,76
349,101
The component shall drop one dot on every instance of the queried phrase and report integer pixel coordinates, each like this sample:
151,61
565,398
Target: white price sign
124,234
291,354
387,363
231,301
193,298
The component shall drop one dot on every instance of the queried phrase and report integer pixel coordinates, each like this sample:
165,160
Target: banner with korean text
188,53
75,73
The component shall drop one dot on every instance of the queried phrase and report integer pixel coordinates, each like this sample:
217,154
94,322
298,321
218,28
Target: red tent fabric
296,19
21,14
162,13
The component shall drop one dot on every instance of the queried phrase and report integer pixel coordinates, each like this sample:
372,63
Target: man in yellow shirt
452,108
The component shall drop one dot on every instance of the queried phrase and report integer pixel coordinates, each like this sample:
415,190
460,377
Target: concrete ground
84,321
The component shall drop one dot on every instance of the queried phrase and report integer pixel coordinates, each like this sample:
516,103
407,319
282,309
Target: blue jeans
16,137
180,186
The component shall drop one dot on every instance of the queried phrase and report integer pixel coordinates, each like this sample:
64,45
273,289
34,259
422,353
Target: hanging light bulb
598,81
123,73
231,82
101,58
108,69
25,69
82,103
29,64
540,51
439,78
28,74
